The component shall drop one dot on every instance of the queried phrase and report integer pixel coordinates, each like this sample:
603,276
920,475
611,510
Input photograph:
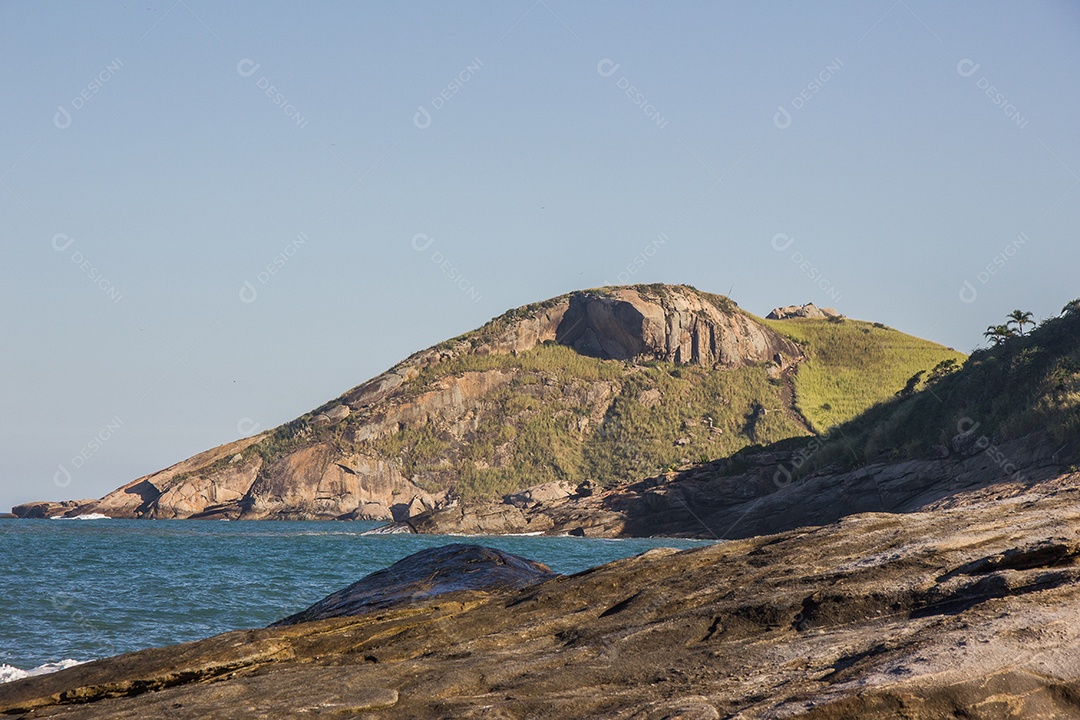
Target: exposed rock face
810,310
538,494
329,464
426,575
967,612
676,327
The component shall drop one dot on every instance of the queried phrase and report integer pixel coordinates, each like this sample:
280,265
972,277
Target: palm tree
1021,318
999,333
1071,307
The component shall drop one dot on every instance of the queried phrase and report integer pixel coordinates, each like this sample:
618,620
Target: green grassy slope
854,365
1027,384
568,417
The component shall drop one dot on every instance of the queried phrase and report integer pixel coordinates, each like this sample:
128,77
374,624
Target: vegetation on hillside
564,416
854,365
1021,384
555,414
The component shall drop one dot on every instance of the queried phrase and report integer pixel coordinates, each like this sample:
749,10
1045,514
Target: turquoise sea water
84,589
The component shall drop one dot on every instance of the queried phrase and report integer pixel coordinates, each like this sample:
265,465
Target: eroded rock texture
970,611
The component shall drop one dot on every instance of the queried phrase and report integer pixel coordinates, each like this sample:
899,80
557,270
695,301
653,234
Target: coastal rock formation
356,457
970,611
227,482
45,509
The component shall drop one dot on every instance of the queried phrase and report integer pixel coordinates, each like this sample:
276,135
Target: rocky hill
1004,422
964,604
600,387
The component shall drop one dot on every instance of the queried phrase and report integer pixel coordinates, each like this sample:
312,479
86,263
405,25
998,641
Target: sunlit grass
565,416
854,365
1028,384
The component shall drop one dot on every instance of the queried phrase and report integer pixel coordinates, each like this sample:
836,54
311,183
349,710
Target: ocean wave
87,516
9,673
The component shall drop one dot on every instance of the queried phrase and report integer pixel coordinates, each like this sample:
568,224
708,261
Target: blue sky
218,216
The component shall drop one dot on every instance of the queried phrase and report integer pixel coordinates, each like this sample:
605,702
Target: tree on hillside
1021,318
1073,306
943,368
999,333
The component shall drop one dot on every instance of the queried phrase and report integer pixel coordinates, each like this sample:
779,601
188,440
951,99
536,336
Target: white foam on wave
8,673
87,516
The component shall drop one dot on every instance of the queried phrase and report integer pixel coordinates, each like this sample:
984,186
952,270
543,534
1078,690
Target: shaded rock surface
969,611
425,575
716,500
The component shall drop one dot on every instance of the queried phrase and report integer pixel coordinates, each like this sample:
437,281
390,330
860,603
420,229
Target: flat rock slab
426,575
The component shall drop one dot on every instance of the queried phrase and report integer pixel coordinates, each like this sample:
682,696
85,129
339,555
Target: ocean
77,590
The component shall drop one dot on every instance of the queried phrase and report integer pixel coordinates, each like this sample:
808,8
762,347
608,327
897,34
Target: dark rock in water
424,575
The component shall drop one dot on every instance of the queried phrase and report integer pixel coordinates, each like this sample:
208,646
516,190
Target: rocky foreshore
970,611
758,492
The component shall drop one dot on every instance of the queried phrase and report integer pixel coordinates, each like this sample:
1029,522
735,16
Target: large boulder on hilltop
809,310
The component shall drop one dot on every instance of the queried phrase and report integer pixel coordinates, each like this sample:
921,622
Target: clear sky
217,216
